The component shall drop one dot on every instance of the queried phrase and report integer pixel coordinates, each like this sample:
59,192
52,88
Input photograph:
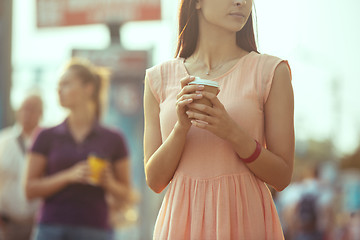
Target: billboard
56,13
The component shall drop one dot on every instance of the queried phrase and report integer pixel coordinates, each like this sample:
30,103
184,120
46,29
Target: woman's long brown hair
189,31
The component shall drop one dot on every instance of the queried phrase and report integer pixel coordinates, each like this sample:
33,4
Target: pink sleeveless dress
213,195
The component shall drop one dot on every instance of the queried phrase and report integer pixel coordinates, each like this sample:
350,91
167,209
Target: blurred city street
318,38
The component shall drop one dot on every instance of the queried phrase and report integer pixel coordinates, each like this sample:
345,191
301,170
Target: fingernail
200,86
199,95
189,100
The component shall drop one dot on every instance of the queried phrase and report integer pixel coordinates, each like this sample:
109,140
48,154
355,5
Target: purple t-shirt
77,204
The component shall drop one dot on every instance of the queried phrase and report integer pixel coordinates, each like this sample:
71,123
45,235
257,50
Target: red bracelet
254,156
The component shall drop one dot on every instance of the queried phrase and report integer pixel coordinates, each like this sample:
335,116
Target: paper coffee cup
209,86
97,166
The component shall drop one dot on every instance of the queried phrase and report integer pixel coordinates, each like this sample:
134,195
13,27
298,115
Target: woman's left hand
214,119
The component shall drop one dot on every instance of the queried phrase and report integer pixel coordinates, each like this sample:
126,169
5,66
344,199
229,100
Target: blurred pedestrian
16,213
218,158
58,170
306,219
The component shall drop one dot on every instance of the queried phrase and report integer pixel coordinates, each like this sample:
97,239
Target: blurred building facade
6,117
323,66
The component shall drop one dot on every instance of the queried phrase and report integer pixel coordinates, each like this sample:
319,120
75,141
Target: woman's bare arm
275,163
39,186
161,159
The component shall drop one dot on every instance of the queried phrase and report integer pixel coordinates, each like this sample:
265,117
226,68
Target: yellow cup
97,166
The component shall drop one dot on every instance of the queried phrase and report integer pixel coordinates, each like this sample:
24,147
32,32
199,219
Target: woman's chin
64,105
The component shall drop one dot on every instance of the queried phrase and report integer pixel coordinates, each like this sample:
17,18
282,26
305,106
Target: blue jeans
63,232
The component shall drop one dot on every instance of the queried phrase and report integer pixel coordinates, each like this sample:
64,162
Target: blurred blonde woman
58,171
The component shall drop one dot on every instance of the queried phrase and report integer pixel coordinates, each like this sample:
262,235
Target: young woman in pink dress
216,163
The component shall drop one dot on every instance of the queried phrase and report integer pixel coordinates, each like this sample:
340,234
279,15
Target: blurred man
16,213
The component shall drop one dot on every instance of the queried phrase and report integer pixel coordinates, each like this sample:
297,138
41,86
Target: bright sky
317,37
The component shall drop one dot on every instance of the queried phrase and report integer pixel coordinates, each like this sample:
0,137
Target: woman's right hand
79,173
186,96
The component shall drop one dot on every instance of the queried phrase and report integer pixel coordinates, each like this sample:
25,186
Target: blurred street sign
56,13
117,59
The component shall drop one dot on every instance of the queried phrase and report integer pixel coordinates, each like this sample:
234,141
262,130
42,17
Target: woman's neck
82,117
80,122
215,45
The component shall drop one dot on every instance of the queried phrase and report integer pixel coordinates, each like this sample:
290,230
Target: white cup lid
204,82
